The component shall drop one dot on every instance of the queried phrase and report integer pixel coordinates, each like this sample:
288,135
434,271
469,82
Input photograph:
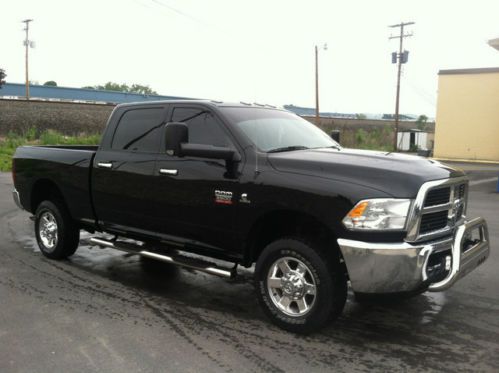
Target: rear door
124,168
197,197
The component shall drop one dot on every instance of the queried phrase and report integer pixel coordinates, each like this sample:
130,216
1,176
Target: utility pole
317,82
27,45
400,57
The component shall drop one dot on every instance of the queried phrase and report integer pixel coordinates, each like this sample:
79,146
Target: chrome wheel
47,230
291,286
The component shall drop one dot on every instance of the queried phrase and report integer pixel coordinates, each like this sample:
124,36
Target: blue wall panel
81,94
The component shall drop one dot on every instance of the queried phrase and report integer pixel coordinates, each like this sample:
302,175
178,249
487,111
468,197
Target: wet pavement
102,311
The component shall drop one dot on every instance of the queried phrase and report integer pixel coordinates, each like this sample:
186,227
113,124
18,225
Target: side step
177,259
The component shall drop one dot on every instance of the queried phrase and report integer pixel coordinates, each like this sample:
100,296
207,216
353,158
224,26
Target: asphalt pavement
101,311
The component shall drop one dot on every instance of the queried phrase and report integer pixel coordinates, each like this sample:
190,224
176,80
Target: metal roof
483,70
494,43
80,94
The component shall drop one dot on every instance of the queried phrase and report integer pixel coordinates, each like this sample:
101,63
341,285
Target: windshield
275,130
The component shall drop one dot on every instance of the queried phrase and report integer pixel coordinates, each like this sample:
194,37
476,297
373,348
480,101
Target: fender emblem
223,197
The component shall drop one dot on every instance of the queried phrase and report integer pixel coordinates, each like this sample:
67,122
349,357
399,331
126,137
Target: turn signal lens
358,210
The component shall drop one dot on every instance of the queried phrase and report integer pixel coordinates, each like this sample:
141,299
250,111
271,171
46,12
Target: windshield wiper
287,148
337,147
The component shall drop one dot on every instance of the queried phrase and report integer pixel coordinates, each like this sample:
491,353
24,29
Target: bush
51,137
375,139
31,134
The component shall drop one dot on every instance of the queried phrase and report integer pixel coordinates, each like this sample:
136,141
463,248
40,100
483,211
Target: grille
433,221
437,197
459,193
442,207
461,190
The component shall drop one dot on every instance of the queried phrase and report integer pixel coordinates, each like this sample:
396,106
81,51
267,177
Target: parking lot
102,311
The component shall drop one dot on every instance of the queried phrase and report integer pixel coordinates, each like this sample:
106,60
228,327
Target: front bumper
405,267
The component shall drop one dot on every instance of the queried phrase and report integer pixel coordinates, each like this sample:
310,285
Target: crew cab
187,181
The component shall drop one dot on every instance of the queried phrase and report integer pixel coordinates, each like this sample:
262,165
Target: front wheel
299,287
57,235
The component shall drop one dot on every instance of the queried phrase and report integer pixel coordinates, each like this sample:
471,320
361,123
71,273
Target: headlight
378,214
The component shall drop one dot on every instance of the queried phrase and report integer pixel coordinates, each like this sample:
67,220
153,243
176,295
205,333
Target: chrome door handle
168,171
105,165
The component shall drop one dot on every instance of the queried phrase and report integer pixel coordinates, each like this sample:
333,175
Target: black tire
67,235
323,270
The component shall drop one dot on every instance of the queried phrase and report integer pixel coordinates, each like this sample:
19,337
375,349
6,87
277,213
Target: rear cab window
139,130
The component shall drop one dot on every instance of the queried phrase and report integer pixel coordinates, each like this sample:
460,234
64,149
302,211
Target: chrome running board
176,259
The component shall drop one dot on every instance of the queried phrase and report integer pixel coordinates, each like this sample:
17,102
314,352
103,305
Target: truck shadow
236,296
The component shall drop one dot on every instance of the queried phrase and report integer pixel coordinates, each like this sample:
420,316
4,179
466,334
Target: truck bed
67,166
92,148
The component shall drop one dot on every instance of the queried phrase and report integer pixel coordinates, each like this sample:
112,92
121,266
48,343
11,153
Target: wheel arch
281,223
45,189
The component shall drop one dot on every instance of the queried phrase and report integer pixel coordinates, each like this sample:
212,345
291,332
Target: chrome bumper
17,200
402,267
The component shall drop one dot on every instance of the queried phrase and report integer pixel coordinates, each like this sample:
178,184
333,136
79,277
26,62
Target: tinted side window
204,128
139,130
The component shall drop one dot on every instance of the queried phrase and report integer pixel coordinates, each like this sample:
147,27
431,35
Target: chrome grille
433,221
460,194
439,206
437,197
462,190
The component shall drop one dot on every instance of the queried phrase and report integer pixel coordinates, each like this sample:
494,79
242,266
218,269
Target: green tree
50,83
111,86
144,89
2,77
421,122
134,88
360,116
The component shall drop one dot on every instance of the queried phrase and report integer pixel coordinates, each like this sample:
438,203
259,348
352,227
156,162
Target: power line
175,10
400,57
423,93
184,14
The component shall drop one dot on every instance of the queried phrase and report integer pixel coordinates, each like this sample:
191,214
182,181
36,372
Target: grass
367,137
9,143
377,139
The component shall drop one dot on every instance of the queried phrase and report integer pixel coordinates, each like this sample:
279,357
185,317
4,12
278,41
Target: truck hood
398,175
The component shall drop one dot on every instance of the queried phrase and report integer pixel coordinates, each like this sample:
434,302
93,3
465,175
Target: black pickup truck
185,181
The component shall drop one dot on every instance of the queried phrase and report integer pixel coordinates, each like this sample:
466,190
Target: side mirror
176,133
177,144
210,151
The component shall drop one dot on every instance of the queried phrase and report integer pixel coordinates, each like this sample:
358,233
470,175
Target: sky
253,51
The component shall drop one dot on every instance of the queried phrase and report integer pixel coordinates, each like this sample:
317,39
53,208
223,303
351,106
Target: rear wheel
299,287
56,233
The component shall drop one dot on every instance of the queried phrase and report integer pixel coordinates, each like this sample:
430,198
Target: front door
196,196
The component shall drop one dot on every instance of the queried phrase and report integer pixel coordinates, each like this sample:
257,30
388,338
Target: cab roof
204,102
